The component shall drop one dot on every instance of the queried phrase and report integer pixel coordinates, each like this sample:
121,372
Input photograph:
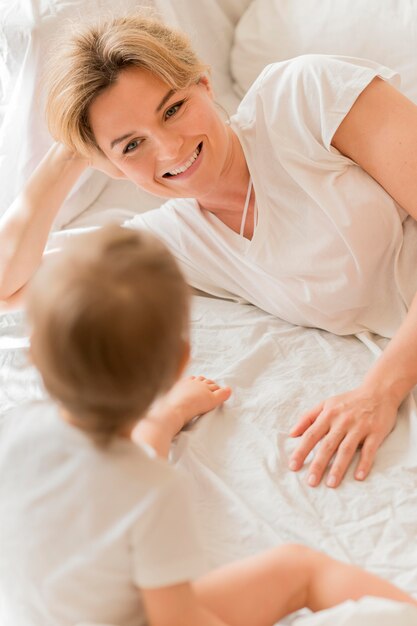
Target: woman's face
171,144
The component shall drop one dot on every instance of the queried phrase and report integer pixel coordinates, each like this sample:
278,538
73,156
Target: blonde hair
92,59
109,322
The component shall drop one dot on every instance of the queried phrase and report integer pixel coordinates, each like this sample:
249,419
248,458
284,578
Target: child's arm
188,398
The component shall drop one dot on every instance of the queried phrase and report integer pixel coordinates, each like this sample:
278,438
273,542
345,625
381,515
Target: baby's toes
222,394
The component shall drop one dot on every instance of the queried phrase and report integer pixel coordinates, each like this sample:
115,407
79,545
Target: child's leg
261,590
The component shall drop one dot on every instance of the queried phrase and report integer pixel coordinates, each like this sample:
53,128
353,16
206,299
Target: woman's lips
190,169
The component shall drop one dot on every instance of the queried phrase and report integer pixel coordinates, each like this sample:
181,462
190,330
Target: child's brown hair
109,323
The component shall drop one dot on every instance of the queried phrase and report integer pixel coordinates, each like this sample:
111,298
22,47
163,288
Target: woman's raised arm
25,226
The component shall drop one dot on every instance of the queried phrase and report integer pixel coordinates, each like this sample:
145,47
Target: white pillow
210,24
27,32
274,30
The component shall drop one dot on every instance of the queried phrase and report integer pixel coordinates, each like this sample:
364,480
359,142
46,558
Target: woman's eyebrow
158,108
164,99
122,138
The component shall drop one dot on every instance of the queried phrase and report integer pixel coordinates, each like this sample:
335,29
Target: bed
246,498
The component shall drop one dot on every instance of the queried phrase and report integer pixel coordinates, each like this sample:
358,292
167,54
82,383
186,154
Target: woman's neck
228,199
228,195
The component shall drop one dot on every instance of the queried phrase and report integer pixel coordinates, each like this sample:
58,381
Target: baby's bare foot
196,395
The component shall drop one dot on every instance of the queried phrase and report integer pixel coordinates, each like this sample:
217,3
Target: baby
95,524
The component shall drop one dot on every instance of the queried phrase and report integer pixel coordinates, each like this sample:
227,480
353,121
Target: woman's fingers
342,424
367,457
324,454
345,453
306,421
100,162
311,436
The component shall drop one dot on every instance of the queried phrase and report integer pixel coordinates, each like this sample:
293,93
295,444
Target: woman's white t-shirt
327,250
81,529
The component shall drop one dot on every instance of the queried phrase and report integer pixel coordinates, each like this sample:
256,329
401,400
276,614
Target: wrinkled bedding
246,498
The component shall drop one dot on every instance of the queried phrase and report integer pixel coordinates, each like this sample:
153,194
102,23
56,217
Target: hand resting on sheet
342,424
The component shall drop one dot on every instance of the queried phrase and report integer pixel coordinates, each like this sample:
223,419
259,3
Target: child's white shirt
81,528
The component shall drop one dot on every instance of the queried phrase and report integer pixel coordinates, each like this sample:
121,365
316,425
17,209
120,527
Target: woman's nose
169,145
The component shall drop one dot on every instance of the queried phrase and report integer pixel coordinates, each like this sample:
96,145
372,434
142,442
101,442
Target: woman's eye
172,110
132,145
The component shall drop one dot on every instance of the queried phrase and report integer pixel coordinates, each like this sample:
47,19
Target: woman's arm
25,226
380,134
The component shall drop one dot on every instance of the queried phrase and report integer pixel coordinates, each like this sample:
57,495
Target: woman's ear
206,83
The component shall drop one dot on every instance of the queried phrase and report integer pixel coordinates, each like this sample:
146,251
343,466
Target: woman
299,205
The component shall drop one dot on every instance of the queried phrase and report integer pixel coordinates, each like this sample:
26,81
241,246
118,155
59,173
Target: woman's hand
99,161
342,424
25,225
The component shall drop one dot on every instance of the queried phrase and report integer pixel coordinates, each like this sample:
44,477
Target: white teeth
183,168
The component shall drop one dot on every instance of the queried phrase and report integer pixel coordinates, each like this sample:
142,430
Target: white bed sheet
247,500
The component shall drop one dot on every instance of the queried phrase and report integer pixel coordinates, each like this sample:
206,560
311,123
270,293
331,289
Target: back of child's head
109,322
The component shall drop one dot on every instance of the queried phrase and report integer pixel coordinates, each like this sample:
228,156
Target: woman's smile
169,143
189,167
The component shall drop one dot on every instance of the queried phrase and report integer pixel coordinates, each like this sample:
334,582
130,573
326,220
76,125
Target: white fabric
274,30
246,498
81,528
245,208
365,612
326,251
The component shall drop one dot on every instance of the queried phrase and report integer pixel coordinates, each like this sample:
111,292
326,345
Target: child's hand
188,398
